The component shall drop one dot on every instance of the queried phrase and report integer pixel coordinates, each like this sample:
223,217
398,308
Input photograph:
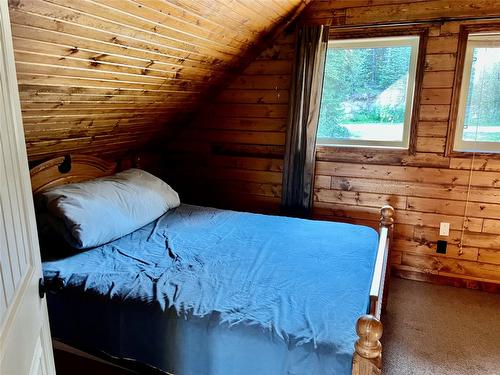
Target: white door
25,345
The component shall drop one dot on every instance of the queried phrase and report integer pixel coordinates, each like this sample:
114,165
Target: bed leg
367,359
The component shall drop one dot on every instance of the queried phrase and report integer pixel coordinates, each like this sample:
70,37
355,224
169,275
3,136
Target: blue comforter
295,287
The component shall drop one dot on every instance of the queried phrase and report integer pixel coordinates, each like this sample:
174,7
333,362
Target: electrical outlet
444,229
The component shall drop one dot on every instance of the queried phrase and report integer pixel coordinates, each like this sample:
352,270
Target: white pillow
99,211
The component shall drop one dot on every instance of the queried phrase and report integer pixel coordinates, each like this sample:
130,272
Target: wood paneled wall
239,142
232,155
110,75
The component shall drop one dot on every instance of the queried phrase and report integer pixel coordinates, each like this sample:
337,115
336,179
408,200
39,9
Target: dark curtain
303,116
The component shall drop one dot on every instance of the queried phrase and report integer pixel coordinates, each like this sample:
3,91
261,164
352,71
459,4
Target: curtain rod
441,20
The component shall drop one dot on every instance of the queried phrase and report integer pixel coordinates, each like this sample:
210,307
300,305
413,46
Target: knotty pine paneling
233,158
233,151
99,75
431,187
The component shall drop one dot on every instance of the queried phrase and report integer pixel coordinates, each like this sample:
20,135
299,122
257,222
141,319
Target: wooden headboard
67,169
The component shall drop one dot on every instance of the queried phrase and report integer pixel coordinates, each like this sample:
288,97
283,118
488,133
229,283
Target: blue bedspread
274,294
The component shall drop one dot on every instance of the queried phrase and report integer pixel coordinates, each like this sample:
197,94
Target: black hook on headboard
65,166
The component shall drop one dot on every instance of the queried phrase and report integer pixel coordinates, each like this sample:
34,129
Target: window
478,118
368,92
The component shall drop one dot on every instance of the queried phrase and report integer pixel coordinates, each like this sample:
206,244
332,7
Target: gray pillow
99,211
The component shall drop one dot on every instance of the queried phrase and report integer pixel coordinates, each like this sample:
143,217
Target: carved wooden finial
386,216
369,330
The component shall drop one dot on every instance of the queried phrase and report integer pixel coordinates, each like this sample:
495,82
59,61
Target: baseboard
446,280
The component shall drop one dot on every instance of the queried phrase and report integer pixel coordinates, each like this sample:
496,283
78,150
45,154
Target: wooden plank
236,123
230,136
432,129
442,79
403,173
403,230
452,207
402,216
431,144
436,96
489,256
431,235
358,199
452,267
29,50
434,220
251,188
258,82
422,11
491,226
483,240
387,157
434,112
334,4
254,96
322,182
429,248
395,257
251,110
345,211
414,189
269,67
441,61
261,164
442,44
480,164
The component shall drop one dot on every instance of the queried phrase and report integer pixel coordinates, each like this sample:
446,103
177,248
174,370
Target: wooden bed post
367,359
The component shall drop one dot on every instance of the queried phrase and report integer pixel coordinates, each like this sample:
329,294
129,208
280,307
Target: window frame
472,40
414,40
463,35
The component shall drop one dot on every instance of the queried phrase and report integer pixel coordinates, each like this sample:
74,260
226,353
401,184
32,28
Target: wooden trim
424,36
68,169
372,32
463,36
430,22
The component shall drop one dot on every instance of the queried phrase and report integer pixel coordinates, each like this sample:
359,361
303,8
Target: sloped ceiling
112,74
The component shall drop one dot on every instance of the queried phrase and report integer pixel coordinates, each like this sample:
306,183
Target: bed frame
367,357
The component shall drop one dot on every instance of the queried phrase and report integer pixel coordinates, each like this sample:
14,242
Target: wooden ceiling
111,74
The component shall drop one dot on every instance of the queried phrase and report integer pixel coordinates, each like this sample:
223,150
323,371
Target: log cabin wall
109,76
232,154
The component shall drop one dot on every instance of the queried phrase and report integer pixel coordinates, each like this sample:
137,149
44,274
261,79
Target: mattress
217,292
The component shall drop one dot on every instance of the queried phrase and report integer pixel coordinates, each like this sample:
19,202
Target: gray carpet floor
440,330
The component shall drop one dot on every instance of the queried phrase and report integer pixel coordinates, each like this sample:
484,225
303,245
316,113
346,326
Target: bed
207,291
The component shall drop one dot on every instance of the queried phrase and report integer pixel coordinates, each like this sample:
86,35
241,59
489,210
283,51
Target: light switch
444,229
